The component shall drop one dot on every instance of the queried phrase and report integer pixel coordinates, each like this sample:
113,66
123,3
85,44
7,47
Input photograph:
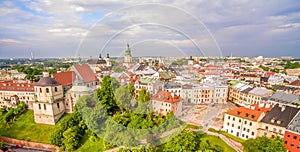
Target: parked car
19,146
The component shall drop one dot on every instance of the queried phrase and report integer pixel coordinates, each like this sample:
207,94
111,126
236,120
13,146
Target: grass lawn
24,128
237,139
89,145
214,140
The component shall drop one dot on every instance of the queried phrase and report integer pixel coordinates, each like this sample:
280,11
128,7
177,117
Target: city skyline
241,28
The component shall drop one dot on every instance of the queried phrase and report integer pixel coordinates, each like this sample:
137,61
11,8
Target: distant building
127,57
164,102
14,92
283,98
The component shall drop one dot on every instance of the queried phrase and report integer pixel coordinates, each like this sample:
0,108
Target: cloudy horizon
178,28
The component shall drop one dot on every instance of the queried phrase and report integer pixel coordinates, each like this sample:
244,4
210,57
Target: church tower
127,57
49,100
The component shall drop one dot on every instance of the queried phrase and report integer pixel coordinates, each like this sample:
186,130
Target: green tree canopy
123,97
264,144
106,97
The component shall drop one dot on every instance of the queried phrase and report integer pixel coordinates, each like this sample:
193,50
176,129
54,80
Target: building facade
49,103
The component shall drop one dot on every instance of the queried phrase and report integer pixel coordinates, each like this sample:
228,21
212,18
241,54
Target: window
231,131
274,129
45,107
233,119
41,90
252,133
55,89
239,120
58,105
295,137
265,134
227,123
243,135
248,130
250,123
267,127
288,135
245,122
232,125
40,106
47,90
247,137
285,142
239,127
244,129
298,147
292,144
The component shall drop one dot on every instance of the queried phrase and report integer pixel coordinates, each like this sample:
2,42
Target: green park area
25,128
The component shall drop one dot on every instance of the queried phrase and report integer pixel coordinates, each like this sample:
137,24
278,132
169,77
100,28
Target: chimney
172,94
261,105
252,107
268,105
283,108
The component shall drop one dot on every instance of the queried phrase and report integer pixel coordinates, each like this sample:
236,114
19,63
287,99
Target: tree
123,97
144,96
131,89
299,76
185,141
143,99
115,84
2,145
119,69
264,144
71,138
106,97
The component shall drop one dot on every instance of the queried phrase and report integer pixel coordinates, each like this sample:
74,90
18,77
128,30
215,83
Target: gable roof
248,113
85,72
280,115
165,96
65,78
295,124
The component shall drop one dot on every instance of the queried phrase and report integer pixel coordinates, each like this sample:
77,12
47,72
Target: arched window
47,90
40,90
55,89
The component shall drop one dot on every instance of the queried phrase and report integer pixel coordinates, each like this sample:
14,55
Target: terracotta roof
296,83
15,86
85,72
65,78
166,97
248,113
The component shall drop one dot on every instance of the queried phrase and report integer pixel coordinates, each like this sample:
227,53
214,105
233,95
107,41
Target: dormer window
252,116
247,114
272,120
238,112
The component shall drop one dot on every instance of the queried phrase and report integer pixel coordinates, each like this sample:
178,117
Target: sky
72,28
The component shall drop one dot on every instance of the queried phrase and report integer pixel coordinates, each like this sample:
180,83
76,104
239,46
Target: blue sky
53,28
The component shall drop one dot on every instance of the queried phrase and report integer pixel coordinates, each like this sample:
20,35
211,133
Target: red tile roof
16,86
248,113
65,78
85,72
296,83
166,97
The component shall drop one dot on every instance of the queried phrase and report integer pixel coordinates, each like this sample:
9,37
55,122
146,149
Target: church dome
46,81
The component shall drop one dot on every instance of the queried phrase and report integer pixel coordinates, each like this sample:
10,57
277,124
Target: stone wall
29,144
